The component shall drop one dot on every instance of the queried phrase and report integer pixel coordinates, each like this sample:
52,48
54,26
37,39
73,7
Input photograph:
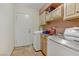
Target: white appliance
36,40
72,33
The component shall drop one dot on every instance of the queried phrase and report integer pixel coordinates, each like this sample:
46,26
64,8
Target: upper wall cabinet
71,11
50,12
55,14
49,17
43,18
77,9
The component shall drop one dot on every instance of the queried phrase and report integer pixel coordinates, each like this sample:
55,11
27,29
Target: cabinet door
70,9
53,14
43,18
56,14
55,49
77,7
58,11
48,17
40,19
51,18
42,42
44,45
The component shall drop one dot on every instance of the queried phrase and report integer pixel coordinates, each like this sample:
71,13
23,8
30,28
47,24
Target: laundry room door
23,30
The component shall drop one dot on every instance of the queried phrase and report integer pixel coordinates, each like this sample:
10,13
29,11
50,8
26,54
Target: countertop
68,43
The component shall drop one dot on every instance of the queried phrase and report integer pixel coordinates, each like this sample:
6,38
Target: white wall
6,29
24,31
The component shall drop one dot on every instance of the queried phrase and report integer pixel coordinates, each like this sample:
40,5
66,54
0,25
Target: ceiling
32,5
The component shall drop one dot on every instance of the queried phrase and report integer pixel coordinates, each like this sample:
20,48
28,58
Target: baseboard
42,53
38,50
35,49
23,46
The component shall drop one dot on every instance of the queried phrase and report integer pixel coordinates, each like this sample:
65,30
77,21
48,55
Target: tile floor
26,51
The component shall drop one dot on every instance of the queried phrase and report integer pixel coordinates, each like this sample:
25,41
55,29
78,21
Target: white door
23,30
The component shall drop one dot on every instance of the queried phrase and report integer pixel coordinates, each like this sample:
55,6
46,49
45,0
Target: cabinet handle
77,11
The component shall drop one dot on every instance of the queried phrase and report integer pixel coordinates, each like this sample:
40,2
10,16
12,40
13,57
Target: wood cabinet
77,9
53,14
48,17
59,11
56,14
44,44
43,18
71,11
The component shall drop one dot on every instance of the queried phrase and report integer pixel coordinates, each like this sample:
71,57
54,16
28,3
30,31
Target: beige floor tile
26,51
38,54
